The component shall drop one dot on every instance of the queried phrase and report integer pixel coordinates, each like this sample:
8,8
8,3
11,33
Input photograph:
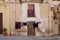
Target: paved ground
28,38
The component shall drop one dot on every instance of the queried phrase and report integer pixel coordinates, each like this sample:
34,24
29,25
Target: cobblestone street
28,38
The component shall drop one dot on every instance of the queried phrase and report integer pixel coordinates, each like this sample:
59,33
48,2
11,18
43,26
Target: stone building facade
46,14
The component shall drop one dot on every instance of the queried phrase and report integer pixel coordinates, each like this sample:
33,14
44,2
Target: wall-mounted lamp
52,6
42,1
20,1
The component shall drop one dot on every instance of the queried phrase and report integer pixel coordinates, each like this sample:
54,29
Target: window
31,10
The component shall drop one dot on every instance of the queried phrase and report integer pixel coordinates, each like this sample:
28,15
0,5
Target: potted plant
4,31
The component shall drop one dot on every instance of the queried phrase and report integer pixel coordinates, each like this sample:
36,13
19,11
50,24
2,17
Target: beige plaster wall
5,11
13,13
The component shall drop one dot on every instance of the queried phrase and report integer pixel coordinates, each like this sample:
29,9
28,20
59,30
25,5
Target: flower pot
5,34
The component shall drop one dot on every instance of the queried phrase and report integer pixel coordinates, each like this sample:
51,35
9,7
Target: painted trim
25,18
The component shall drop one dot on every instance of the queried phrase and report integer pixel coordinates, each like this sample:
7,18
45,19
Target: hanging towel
35,25
18,25
24,24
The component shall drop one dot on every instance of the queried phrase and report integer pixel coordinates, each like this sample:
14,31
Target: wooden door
31,29
58,18
59,25
1,23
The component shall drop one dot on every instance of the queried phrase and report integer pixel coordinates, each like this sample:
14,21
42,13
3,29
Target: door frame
3,17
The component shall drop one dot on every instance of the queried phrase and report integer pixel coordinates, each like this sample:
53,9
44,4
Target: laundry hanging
18,25
24,24
35,25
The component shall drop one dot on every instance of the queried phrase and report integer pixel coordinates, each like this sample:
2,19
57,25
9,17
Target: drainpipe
48,18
